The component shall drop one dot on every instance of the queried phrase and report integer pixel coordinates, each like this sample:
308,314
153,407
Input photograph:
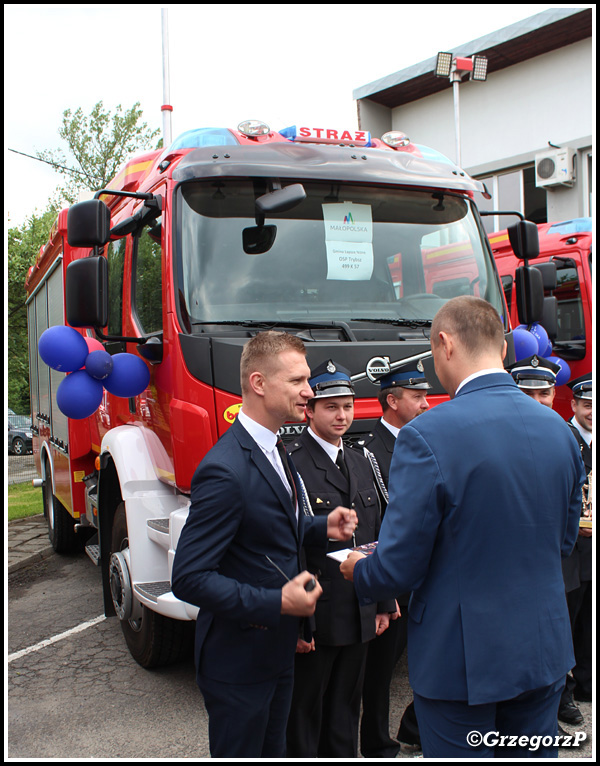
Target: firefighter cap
410,375
582,386
330,379
535,372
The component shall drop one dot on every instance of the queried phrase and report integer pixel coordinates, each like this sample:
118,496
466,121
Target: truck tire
61,527
152,639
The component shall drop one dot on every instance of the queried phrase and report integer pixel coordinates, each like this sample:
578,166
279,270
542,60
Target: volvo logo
377,366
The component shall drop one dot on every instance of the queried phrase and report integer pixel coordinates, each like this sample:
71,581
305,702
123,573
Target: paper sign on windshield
349,240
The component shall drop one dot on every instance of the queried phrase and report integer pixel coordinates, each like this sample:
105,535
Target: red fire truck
567,247
331,235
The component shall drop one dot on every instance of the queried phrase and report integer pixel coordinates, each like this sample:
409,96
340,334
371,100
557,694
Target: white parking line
54,639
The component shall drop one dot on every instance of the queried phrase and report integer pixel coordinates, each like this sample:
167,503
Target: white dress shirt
394,430
267,441
330,449
477,374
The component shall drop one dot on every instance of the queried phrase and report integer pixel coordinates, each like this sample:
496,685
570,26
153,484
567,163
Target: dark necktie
288,473
341,464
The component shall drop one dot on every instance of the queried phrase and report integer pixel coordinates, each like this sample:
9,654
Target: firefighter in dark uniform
536,377
577,569
329,673
402,396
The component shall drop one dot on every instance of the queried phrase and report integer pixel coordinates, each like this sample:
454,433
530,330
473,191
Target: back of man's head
260,353
473,322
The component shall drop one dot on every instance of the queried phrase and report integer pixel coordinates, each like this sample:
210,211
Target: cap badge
331,366
420,367
535,362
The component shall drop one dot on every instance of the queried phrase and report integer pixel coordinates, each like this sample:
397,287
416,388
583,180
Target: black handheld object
310,585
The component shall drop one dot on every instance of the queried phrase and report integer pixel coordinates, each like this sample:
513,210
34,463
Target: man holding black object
485,498
238,556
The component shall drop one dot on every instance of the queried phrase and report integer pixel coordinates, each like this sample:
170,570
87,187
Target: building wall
508,119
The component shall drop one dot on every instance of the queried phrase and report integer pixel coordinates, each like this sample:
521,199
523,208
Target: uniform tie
341,464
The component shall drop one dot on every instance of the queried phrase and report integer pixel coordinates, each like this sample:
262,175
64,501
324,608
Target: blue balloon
548,351
99,364
63,348
526,344
129,377
564,374
541,335
79,395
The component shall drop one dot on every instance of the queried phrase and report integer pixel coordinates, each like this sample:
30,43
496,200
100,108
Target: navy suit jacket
240,513
485,498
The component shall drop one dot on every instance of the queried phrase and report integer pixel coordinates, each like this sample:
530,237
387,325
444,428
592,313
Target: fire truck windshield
345,252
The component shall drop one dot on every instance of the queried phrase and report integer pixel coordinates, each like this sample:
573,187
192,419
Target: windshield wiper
414,323
270,324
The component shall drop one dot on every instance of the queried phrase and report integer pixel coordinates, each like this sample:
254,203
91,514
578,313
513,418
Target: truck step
158,530
93,551
152,590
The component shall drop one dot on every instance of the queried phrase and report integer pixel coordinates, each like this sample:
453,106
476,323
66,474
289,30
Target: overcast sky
285,64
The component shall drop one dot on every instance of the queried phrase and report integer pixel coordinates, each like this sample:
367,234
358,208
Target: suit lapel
324,463
269,473
386,436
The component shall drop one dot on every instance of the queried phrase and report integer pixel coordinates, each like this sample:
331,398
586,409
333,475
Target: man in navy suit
238,557
485,497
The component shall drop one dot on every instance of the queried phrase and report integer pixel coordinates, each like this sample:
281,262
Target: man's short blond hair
260,352
475,323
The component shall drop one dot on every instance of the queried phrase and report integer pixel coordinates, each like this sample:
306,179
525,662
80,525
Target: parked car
19,434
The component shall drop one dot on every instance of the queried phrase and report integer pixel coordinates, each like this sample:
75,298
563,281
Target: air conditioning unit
555,168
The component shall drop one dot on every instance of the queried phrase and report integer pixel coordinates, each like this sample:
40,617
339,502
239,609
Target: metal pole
166,108
455,85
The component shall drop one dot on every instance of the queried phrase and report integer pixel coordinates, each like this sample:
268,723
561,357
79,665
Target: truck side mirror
524,239
548,270
86,292
550,317
529,288
88,224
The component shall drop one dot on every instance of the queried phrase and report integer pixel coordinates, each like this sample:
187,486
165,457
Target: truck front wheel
152,639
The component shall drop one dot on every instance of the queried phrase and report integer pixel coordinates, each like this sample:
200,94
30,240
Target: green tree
99,144
24,244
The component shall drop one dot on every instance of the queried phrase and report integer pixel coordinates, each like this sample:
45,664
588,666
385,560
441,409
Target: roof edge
511,32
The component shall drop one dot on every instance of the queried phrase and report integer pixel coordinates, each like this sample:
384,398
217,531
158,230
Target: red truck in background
568,245
191,251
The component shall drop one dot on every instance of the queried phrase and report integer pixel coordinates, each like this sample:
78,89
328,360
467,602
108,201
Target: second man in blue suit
485,498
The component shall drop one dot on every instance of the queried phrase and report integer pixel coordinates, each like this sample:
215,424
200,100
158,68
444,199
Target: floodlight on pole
455,67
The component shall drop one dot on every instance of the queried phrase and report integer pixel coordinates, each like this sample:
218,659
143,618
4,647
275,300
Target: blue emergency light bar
201,137
575,226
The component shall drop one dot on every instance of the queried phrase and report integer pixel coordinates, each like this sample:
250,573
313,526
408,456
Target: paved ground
27,542
30,555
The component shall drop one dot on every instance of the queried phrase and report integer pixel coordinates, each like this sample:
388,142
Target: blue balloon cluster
534,340
91,371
